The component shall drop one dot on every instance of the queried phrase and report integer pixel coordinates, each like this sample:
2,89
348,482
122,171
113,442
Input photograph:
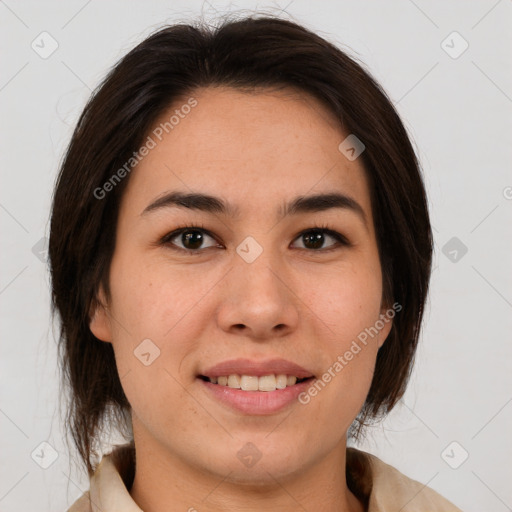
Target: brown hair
254,52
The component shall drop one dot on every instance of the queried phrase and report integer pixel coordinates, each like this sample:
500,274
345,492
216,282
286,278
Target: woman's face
251,283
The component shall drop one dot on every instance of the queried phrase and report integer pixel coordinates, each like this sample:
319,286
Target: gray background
457,109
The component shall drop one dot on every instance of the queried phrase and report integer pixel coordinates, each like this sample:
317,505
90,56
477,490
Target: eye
193,237
190,237
314,239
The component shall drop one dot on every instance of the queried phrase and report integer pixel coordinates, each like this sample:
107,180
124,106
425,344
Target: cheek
348,300
350,308
151,298
148,317
349,305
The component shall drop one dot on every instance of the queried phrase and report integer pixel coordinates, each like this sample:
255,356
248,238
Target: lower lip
257,402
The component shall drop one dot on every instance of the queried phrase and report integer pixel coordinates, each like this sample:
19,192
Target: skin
255,150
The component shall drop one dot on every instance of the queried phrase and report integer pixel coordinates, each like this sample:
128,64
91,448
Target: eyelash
341,240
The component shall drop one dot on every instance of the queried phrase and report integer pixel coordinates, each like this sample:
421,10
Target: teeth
281,381
267,383
253,383
234,381
249,383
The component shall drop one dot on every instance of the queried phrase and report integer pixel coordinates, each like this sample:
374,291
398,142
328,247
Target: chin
254,466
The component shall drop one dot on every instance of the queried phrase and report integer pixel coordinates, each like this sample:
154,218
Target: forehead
252,148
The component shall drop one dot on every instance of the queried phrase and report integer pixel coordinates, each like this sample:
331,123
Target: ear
99,321
387,313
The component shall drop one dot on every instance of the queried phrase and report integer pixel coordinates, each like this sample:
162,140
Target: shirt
381,487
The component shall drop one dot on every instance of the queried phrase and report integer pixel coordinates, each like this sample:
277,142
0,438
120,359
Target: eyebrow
215,205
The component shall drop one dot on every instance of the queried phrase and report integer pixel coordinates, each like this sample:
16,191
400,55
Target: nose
259,300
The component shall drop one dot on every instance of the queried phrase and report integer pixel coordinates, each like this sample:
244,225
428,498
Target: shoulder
390,490
82,504
110,483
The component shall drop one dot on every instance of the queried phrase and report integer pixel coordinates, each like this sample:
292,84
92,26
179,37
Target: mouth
264,383
255,395
255,387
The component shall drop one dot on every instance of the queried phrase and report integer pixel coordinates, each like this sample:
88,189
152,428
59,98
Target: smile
254,383
252,401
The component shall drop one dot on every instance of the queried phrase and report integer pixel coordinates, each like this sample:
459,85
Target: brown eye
191,239
314,239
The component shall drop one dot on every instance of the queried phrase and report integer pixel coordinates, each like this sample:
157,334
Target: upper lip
257,368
